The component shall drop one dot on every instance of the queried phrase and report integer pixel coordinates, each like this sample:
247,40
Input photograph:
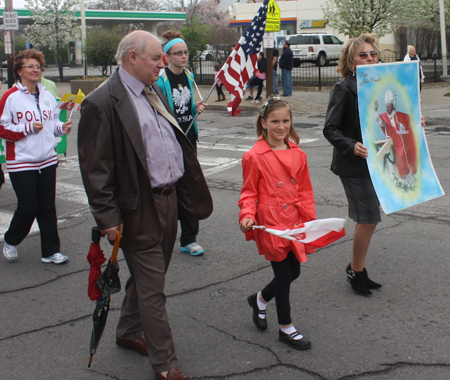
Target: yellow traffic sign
273,17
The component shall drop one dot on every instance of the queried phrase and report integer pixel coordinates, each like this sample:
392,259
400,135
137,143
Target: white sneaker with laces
194,249
57,258
256,101
10,251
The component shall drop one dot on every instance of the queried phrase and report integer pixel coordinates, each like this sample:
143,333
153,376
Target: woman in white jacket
412,56
29,122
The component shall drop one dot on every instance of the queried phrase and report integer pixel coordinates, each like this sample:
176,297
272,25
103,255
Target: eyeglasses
31,67
180,53
262,109
373,54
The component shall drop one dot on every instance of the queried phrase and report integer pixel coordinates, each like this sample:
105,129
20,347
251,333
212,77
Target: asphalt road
400,333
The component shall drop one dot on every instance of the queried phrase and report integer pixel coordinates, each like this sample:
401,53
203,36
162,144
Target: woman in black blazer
342,129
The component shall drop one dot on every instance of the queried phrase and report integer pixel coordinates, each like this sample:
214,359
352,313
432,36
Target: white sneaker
10,251
57,258
194,249
255,101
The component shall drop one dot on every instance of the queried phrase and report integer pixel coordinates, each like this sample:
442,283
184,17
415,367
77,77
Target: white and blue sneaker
194,249
10,251
57,258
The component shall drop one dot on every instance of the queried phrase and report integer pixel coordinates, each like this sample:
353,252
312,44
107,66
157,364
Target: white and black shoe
260,323
296,344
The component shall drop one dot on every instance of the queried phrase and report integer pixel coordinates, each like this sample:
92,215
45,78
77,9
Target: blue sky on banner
254,34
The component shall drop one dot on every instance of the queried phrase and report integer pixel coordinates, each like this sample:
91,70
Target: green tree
101,45
54,26
196,35
354,17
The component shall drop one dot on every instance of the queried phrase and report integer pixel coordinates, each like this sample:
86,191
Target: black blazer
343,130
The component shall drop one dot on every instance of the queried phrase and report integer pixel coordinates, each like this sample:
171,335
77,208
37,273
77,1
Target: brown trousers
144,304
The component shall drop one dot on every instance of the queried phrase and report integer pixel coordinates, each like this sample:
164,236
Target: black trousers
36,192
285,272
189,230
257,82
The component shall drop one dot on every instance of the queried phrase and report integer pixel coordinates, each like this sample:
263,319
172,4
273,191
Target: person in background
219,84
276,54
286,64
412,56
259,77
177,84
343,130
30,122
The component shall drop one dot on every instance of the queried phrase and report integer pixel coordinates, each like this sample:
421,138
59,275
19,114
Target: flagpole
199,94
198,113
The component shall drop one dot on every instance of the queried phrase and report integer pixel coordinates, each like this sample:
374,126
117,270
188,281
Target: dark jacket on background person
343,130
286,60
115,173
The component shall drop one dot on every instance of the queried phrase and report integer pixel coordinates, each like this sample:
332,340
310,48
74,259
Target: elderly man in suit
141,174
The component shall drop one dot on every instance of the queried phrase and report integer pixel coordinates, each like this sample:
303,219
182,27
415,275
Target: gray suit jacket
115,174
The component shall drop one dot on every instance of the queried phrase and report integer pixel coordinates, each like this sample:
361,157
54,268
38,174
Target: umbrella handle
115,248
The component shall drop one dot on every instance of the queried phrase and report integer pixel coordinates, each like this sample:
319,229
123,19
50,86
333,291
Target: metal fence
310,75
305,75
71,71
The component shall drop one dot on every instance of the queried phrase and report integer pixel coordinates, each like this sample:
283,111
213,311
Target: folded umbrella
317,233
108,283
96,258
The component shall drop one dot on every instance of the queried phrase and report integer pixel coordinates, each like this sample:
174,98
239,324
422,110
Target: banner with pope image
389,111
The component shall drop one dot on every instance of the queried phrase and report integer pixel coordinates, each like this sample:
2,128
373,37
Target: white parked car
316,48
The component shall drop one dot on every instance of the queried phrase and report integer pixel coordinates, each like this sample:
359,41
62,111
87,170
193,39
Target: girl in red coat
277,193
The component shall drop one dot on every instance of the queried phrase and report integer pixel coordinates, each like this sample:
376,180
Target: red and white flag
317,233
240,65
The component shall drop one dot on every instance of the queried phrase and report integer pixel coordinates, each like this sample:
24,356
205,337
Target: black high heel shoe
358,281
371,284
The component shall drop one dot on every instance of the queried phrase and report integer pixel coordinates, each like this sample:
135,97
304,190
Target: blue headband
168,45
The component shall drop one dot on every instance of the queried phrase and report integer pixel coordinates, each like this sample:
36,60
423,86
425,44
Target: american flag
240,65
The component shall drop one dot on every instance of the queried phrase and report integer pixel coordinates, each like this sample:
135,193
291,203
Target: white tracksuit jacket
25,149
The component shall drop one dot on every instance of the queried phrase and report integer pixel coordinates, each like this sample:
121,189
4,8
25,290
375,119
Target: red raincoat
276,193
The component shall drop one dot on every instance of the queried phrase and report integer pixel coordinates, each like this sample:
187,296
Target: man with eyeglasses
140,174
178,84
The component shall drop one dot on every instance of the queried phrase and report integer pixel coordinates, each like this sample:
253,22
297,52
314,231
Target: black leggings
285,272
219,90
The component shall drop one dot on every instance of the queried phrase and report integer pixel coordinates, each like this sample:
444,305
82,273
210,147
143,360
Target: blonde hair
410,47
260,131
345,63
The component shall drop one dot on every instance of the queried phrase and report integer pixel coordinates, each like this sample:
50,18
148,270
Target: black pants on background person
189,230
257,82
285,272
36,192
2,177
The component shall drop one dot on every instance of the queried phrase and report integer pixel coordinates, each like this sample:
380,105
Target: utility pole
9,38
83,31
443,39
